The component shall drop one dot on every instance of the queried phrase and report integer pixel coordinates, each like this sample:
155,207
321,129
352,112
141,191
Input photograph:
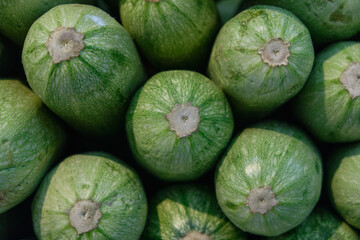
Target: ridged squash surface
31,139
269,180
104,184
91,89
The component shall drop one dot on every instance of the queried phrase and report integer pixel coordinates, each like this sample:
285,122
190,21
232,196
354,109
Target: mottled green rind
327,21
30,141
344,182
178,210
269,154
157,148
101,178
324,105
90,92
322,224
172,34
17,16
253,87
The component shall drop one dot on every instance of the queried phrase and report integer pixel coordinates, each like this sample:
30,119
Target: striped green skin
344,182
269,154
90,92
253,87
322,224
30,141
180,209
172,34
327,21
157,148
99,177
324,105
16,16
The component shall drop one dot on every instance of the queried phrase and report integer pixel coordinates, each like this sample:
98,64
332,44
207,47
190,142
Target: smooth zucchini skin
17,16
158,148
327,21
178,210
172,34
322,224
253,86
324,105
344,182
98,177
91,91
271,157
31,139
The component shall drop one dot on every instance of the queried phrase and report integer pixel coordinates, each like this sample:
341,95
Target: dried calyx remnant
84,215
275,52
196,236
350,78
184,119
261,200
64,43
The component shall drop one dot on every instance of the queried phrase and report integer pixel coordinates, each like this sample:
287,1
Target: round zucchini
84,66
322,224
344,182
17,16
178,124
172,34
188,212
31,139
261,58
328,105
90,196
269,180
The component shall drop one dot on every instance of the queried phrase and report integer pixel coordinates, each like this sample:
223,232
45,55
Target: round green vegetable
269,179
188,212
16,16
178,124
30,141
84,66
327,21
261,59
90,196
172,34
329,103
322,224
344,182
